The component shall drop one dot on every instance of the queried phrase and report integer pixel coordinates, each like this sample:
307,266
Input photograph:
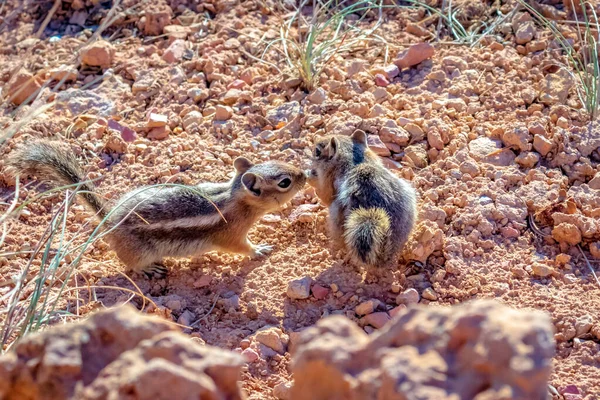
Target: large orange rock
21,86
414,55
157,16
98,54
480,349
117,353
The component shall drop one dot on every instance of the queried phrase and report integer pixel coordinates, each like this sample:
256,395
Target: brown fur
150,223
371,211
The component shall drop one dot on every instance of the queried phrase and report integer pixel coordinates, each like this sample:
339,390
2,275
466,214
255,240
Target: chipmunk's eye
285,183
317,152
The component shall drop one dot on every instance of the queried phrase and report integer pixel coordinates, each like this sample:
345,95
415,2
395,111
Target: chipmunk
371,211
150,223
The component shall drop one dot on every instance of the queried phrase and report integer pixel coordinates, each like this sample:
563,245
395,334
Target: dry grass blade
117,288
55,6
581,55
589,265
13,204
308,43
16,311
447,15
533,226
217,296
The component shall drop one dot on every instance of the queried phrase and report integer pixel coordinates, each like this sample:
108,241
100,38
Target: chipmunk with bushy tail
151,223
371,211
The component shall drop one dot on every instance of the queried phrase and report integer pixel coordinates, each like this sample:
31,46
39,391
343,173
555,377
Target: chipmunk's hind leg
140,259
149,268
155,270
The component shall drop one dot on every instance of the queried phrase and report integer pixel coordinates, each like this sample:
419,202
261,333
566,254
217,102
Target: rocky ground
493,137
481,350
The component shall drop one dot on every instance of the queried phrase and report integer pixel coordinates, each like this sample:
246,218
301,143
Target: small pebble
202,281
397,310
271,337
438,275
186,318
250,355
319,292
583,324
376,320
318,96
223,113
430,294
237,84
282,391
367,307
157,120
541,270
174,305
409,296
299,288
381,80
414,55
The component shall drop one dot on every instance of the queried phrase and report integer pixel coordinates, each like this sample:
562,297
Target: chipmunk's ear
242,164
251,183
359,137
330,149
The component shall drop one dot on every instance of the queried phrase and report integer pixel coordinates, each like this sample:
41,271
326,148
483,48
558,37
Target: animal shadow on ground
206,293
415,76
352,285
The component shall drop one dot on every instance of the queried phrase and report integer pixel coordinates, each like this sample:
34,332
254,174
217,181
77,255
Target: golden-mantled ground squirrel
371,211
174,221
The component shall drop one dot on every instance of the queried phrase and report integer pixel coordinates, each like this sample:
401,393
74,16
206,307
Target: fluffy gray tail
365,233
47,161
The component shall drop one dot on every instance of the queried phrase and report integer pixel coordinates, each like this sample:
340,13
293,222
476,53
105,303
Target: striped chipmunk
173,221
371,211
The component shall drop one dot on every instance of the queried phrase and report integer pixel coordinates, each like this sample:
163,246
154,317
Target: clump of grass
581,54
37,296
30,302
460,34
309,42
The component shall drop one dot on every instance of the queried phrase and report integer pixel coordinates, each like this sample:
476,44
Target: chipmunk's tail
47,161
366,231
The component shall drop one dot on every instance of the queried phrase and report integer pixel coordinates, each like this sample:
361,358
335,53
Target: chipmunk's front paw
261,250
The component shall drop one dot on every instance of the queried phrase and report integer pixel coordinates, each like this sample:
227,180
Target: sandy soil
496,135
